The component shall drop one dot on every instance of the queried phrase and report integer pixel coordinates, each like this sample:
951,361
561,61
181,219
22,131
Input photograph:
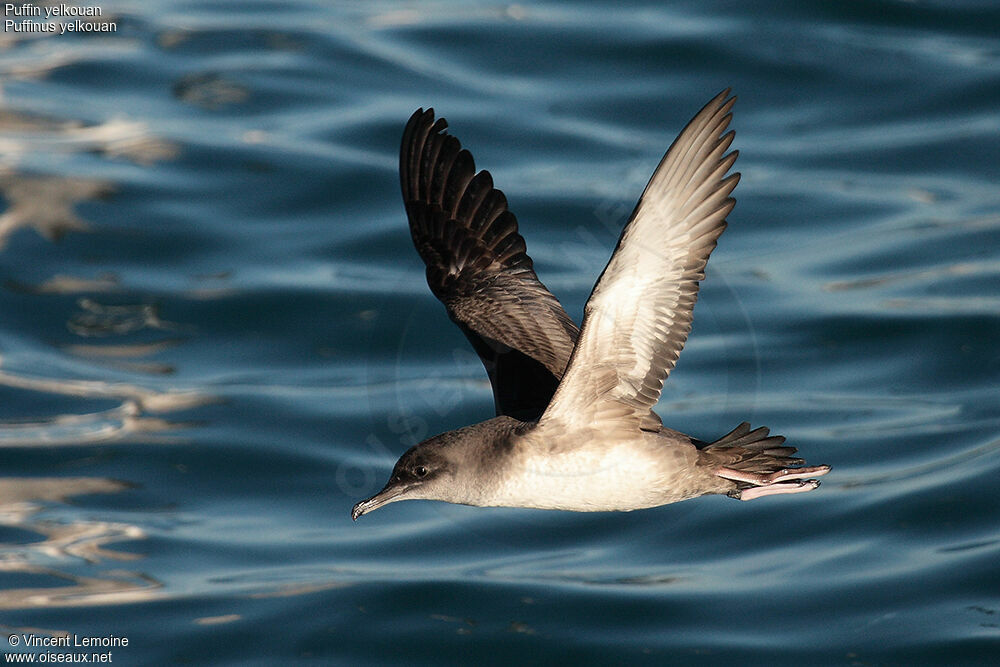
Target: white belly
643,473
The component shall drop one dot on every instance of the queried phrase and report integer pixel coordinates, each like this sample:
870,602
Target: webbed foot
786,480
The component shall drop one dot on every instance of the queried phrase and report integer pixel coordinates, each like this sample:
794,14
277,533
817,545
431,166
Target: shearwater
575,427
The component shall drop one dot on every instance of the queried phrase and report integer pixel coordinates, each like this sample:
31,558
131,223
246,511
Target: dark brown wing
477,265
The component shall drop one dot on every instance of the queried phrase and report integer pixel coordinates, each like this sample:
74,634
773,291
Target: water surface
216,337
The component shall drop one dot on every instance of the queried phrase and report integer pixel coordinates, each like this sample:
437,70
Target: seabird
575,427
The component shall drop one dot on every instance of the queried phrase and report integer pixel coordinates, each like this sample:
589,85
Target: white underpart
649,471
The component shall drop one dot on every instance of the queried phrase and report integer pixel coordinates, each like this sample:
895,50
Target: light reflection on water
56,548
69,555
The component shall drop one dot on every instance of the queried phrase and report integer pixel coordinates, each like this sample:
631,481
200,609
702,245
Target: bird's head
425,471
453,467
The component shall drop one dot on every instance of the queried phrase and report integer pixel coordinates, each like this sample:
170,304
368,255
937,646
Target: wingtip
425,118
724,96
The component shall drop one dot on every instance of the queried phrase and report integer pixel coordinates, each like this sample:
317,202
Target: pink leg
775,489
774,483
761,479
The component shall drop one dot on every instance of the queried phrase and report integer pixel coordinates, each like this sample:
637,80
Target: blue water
215,335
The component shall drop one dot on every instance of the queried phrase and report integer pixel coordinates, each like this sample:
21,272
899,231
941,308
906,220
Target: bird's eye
420,471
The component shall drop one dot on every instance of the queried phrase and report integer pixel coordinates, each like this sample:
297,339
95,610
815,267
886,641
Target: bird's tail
758,463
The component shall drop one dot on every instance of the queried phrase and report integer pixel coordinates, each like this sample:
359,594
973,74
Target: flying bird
575,427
